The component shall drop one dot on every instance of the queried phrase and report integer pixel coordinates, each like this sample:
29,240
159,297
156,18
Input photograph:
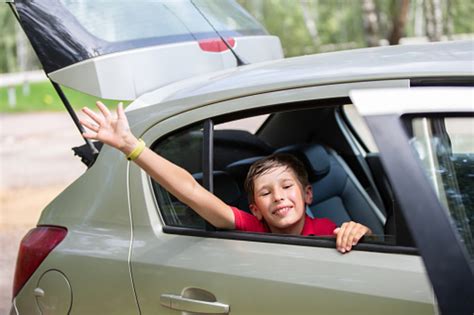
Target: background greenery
43,97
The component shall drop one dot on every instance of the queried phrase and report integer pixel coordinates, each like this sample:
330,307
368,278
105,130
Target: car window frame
373,244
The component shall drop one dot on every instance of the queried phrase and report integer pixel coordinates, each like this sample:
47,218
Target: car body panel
96,249
260,278
135,47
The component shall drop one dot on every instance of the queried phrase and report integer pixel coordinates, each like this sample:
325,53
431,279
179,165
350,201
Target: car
386,135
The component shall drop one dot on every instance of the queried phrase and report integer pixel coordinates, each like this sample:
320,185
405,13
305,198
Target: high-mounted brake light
216,44
34,248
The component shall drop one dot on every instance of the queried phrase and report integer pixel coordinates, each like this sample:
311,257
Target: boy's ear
308,194
255,211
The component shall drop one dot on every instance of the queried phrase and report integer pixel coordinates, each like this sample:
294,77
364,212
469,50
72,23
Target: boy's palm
107,128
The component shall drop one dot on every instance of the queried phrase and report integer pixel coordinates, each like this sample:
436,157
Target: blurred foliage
42,97
7,39
339,23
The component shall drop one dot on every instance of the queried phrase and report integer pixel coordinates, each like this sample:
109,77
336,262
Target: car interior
348,184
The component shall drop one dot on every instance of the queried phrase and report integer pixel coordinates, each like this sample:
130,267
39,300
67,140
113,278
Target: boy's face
280,199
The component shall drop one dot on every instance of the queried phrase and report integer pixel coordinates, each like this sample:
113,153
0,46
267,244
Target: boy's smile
280,200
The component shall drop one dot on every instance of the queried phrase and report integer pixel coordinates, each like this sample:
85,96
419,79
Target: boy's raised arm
115,132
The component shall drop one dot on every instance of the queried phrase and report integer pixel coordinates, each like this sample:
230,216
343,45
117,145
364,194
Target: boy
278,187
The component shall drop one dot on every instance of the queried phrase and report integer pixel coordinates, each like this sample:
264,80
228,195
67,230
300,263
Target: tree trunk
399,21
418,21
310,16
21,49
433,19
448,25
371,23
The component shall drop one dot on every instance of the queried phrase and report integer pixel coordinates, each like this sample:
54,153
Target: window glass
360,127
250,124
185,150
237,145
121,20
445,147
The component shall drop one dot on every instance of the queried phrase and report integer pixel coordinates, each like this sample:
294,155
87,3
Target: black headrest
313,156
225,186
239,169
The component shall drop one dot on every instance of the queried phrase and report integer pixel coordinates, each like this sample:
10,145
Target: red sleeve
244,221
324,226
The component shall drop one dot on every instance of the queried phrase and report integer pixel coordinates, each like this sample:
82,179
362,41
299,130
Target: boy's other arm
115,131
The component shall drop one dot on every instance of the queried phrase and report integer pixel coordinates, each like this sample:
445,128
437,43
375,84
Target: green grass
43,97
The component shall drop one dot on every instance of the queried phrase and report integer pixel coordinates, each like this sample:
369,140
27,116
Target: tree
310,16
371,23
400,14
433,19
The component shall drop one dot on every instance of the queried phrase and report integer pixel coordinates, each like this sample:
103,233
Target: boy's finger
89,125
93,115
347,237
105,111
89,135
339,236
120,111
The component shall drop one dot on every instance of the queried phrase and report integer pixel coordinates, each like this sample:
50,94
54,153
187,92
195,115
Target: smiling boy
277,185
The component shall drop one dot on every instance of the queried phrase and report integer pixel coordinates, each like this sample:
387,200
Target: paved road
35,150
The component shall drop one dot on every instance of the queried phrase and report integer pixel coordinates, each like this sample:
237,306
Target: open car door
426,142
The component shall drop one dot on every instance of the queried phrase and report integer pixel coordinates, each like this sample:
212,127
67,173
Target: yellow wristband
137,151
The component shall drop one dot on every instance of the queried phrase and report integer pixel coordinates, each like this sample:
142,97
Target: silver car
386,135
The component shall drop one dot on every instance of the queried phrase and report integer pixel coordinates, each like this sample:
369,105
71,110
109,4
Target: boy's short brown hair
265,164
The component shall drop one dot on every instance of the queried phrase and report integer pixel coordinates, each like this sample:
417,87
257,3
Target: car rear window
117,21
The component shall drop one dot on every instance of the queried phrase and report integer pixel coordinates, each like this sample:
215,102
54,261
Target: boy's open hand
349,234
109,129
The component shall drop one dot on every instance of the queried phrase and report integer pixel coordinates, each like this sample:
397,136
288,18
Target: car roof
429,60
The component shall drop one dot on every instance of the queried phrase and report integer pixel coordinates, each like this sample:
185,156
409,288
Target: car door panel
255,277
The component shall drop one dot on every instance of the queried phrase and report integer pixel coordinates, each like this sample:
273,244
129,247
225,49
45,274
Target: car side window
184,149
445,148
237,144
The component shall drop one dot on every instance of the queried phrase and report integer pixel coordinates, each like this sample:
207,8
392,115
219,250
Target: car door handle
179,303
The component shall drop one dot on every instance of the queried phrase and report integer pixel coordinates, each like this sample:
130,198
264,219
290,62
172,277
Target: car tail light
216,44
34,248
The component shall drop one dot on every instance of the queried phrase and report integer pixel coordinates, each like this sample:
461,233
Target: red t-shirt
245,221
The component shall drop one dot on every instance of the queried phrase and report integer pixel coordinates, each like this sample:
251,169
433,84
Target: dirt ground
36,164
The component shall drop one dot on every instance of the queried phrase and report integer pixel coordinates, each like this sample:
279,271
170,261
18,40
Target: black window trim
311,241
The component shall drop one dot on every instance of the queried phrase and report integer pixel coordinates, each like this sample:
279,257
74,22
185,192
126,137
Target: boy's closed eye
287,184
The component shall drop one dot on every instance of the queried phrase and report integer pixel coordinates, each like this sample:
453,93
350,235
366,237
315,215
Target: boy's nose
277,195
